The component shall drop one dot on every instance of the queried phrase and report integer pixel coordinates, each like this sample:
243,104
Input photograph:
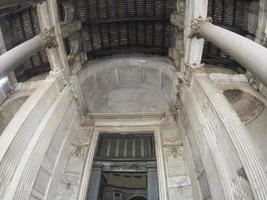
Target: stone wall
33,141
178,180
14,99
225,147
65,184
73,168
250,106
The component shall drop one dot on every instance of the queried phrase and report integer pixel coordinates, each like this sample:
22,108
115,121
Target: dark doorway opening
124,168
138,198
122,185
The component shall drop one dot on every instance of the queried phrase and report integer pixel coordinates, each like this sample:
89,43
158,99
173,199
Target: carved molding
194,32
163,185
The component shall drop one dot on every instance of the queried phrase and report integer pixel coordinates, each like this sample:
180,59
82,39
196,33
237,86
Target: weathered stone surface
179,184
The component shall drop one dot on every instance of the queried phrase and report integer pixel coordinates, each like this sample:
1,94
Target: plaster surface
129,84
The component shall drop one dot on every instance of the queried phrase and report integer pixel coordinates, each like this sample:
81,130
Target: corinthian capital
194,31
190,70
48,35
185,78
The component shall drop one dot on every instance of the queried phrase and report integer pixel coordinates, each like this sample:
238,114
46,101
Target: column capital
190,70
194,32
185,78
49,37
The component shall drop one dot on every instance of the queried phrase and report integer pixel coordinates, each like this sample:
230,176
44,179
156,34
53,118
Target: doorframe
162,182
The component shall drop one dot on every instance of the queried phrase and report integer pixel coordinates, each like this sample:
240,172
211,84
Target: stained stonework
8,110
250,105
179,184
68,179
13,100
247,107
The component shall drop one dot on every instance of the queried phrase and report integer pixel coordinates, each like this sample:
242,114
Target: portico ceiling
115,26
126,26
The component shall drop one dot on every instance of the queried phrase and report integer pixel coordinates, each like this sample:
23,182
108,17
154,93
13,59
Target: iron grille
125,147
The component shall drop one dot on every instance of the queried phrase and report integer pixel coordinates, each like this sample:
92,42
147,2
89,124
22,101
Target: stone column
152,184
226,148
6,83
14,57
248,53
94,186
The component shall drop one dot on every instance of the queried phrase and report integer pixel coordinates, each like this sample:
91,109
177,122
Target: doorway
138,198
124,168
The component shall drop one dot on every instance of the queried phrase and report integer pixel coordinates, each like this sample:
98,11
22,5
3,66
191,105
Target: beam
59,55
128,19
8,3
248,53
193,46
127,49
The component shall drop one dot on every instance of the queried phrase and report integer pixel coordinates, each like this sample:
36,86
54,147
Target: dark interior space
124,168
